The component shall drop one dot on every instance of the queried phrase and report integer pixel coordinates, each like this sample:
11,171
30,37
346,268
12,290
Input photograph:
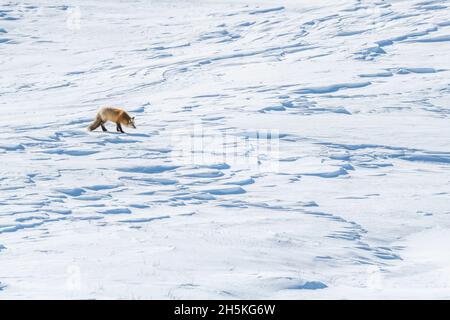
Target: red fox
116,115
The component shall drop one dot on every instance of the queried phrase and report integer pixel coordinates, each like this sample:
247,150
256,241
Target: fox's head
131,123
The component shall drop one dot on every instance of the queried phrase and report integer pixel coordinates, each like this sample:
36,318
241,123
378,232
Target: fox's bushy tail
94,125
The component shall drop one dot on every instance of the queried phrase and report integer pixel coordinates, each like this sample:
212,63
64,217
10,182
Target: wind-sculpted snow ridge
294,150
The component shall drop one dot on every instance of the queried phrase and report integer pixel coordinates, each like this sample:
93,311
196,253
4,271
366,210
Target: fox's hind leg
103,127
119,127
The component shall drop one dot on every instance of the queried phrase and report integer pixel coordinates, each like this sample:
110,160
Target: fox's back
112,114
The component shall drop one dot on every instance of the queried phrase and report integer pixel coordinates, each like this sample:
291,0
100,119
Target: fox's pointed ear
132,118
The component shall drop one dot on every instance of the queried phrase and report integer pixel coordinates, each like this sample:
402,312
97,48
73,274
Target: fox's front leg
119,128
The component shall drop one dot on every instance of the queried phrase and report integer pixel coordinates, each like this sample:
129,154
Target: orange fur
116,115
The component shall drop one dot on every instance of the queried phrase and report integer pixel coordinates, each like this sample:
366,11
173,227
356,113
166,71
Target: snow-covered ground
284,149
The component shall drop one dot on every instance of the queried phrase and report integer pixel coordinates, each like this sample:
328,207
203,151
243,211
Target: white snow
284,149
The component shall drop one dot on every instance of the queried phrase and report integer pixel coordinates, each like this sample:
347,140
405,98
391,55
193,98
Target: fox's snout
131,123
